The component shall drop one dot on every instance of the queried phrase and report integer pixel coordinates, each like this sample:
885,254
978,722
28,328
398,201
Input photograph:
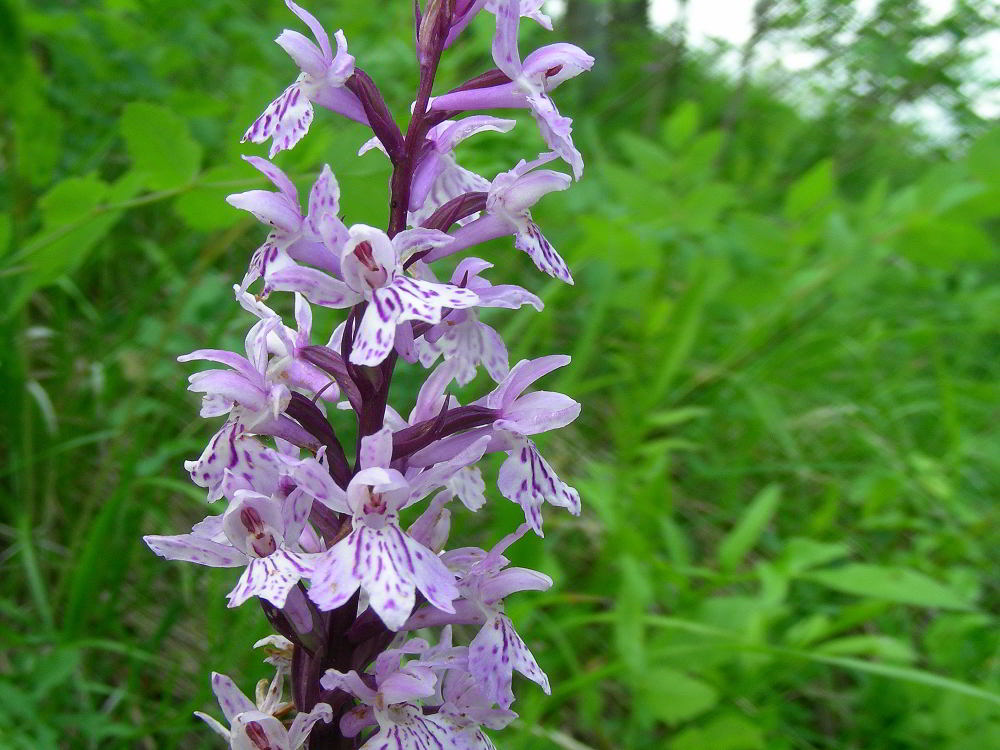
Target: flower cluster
316,529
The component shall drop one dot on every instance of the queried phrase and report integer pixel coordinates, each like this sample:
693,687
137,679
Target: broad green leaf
741,539
160,146
673,697
810,191
633,598
6,230
893,584
726,732
682,124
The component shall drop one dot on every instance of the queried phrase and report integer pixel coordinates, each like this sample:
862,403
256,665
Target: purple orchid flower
286,347
254,726
497,650
377,555
287,118
372,269
402,723
462,337
259,532
314,238
508,203
530,83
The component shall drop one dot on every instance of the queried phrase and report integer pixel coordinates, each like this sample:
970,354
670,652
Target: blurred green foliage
784,334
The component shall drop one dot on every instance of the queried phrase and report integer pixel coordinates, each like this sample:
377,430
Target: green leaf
160,146
944,244
810,191
891,584
682,124
880,646
800,554
672,696
738,542
76,214
726,732
204,208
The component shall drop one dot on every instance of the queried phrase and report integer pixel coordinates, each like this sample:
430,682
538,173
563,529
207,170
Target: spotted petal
271,577
285,120
245,456
527,479
494,654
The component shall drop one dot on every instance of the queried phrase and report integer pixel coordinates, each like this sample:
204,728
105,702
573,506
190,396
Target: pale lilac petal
456,132
381,480
410,241
318,287
377,333
271,577
303,51
239,363
314,478
231,448
336,574
556,131
494,654
324,199
213,724
276,176
424,300
269,208
505,53
539,411
438,475
349,682
531,241
523,374
285,120
372,144
408,684
567,60
314,26
431,396
376,449
197,549
232,701
303,723
531,187
229,385
210,528
508,296
494,354
411,730
512,580
343,102
469,487
294,512
528,480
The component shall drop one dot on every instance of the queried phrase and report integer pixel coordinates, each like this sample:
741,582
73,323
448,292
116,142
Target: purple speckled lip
316,527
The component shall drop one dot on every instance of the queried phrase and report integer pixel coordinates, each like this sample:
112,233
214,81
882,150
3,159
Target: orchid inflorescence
317,531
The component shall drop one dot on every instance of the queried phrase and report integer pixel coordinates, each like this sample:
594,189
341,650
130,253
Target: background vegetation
784,333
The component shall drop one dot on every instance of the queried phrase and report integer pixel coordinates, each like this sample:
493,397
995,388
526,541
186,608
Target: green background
783,330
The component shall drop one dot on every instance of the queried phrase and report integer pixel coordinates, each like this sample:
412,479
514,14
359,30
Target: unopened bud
434,26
